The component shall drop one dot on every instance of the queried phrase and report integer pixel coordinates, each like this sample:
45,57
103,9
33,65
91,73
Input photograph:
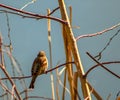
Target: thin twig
15,64
25,16
97,65
100,53
19,77
43,73
53,11
103,65
37,97
19,14
59,66
6,73
29,3
6,89
98,33
26,90
11,81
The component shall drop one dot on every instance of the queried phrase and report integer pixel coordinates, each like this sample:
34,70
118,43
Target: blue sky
29,36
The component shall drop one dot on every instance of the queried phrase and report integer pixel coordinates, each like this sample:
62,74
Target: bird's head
41,53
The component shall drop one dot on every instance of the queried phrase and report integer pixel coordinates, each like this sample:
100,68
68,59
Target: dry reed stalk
75,84
73,46
63,93
68,66
69,59
50,50
69,70
57,88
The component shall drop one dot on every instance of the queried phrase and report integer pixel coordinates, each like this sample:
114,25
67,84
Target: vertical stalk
68,66
75,85
74,49
63,94
57,83
50,50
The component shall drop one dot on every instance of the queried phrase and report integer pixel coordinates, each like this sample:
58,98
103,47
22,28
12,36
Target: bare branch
59,66
100,53
36,16
19,77
11,81
98,33
103,66
37,97
29,3
6,89
44,73
53,11
97,65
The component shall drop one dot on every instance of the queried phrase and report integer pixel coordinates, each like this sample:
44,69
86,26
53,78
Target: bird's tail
32,81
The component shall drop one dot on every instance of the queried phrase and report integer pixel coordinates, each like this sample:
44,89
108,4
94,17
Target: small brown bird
39,66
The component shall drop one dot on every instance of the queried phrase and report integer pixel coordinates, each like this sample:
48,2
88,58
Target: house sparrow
39,67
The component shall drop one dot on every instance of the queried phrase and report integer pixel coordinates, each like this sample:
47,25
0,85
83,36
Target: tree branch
36,16
102,66
97,65
43,73
98,33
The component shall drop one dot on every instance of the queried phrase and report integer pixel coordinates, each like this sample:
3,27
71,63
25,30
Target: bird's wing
35,66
